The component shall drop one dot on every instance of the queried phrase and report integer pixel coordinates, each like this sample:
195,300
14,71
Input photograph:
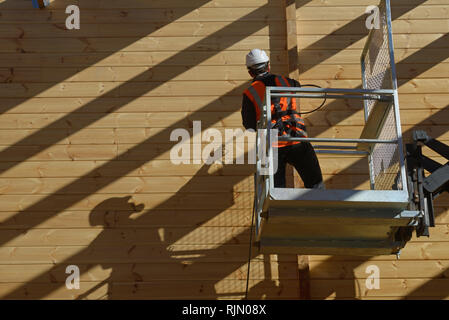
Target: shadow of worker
114,216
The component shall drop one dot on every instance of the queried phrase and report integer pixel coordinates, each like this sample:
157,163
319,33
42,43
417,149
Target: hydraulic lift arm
423,190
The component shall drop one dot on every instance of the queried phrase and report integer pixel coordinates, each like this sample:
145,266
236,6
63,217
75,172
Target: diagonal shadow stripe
348,28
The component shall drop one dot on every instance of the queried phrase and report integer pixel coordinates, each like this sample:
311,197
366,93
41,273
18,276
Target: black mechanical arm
425,189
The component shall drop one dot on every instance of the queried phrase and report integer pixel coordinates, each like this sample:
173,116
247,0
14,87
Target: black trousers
303,158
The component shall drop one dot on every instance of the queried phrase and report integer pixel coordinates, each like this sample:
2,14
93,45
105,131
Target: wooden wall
331,34
85,121
86,178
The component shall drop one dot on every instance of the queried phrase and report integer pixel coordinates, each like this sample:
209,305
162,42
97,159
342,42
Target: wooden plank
412,251
423,101
128,185
375,123
101,136
130,73
434,131
407,101
351,56
118,105
441,215
172,120
177,217
216,201
442,201
168,14
25,137
421,86
158,253
345,42
165,289
344,3
352,72
388,269
138,4
439,233
309,13
98,168
346,27
134,30
155,168
192,104
389,287
385,298
106,136
134,74
211,219
201,58
148,44
304,278
129,59
78,121
127,254
124,237
44,273
426,117
291,37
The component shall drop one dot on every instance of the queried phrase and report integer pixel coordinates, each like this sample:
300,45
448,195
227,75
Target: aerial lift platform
378,221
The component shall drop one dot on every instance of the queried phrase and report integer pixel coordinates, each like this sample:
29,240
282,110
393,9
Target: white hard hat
256,56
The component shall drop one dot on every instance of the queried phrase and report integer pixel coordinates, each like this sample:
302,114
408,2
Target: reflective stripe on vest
256,96
282,81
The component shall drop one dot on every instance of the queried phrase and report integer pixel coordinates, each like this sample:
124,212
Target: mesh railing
377,67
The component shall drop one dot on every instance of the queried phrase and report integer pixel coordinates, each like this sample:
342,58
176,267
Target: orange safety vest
284,115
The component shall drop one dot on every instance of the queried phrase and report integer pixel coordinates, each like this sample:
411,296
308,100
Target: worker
284,117
40,3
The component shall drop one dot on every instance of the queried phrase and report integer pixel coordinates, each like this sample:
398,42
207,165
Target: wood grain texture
390,287
331,35
138,4
340,12
165,13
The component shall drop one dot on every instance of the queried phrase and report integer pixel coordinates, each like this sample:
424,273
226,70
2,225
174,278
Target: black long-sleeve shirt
249,117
